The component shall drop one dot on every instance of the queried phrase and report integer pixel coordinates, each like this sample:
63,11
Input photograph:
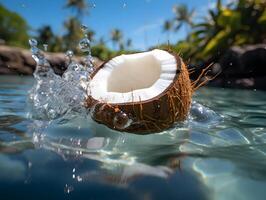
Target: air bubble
121,120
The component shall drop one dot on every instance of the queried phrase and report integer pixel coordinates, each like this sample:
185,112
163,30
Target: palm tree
121,46
167,27
128,43
57,45
183,16
101,41
45,35
80,6
74,33
116,36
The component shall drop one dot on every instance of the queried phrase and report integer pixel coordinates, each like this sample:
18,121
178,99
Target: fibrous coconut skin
153,115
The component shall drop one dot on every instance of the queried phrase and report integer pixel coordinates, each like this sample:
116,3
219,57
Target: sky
139,20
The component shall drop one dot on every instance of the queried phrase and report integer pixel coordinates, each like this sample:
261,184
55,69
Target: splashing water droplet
69,54
84,45
77,75
43,68
84,28
121,120
68,188
33,42
45,47
35,51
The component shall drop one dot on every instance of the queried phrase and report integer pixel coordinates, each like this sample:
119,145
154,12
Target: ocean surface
218,153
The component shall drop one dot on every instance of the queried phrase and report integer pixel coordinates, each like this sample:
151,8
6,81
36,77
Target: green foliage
117,37
13,28
73,34
80,6
238,23
101,52
182,17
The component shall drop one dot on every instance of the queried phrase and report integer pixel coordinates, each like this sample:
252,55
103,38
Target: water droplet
79,178
84,45
121,120
84,28
68,188
35,50
52,113
45,46
33,42
124,5
29,164
69,54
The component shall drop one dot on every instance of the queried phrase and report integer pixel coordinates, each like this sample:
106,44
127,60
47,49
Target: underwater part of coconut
140,93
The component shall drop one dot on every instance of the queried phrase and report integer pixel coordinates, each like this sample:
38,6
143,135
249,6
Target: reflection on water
219,153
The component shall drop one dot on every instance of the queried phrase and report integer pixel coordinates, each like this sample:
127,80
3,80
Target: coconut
140,93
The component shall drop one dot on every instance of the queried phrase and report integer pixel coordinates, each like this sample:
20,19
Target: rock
242,67
244,61
15,60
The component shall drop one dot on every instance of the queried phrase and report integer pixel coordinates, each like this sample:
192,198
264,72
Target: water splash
52,96
84,45
43,68
41,96
76,74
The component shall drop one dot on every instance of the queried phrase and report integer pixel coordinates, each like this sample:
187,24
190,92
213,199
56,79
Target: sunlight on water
222,144
218,144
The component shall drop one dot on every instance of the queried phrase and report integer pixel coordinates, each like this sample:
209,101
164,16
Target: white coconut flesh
134,78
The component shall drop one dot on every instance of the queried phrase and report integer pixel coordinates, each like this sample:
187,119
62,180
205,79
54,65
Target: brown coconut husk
153,115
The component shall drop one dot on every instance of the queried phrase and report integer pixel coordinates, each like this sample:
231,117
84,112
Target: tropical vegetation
239,22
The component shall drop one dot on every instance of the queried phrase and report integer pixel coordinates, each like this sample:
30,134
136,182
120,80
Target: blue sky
140,20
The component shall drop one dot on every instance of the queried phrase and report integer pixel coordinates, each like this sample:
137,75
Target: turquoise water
219,153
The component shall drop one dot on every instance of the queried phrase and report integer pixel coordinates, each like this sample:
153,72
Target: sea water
52,149
220,153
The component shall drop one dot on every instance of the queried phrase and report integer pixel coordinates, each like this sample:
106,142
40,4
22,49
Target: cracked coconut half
141,93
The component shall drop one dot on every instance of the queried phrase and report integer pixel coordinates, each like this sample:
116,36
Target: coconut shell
153,115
